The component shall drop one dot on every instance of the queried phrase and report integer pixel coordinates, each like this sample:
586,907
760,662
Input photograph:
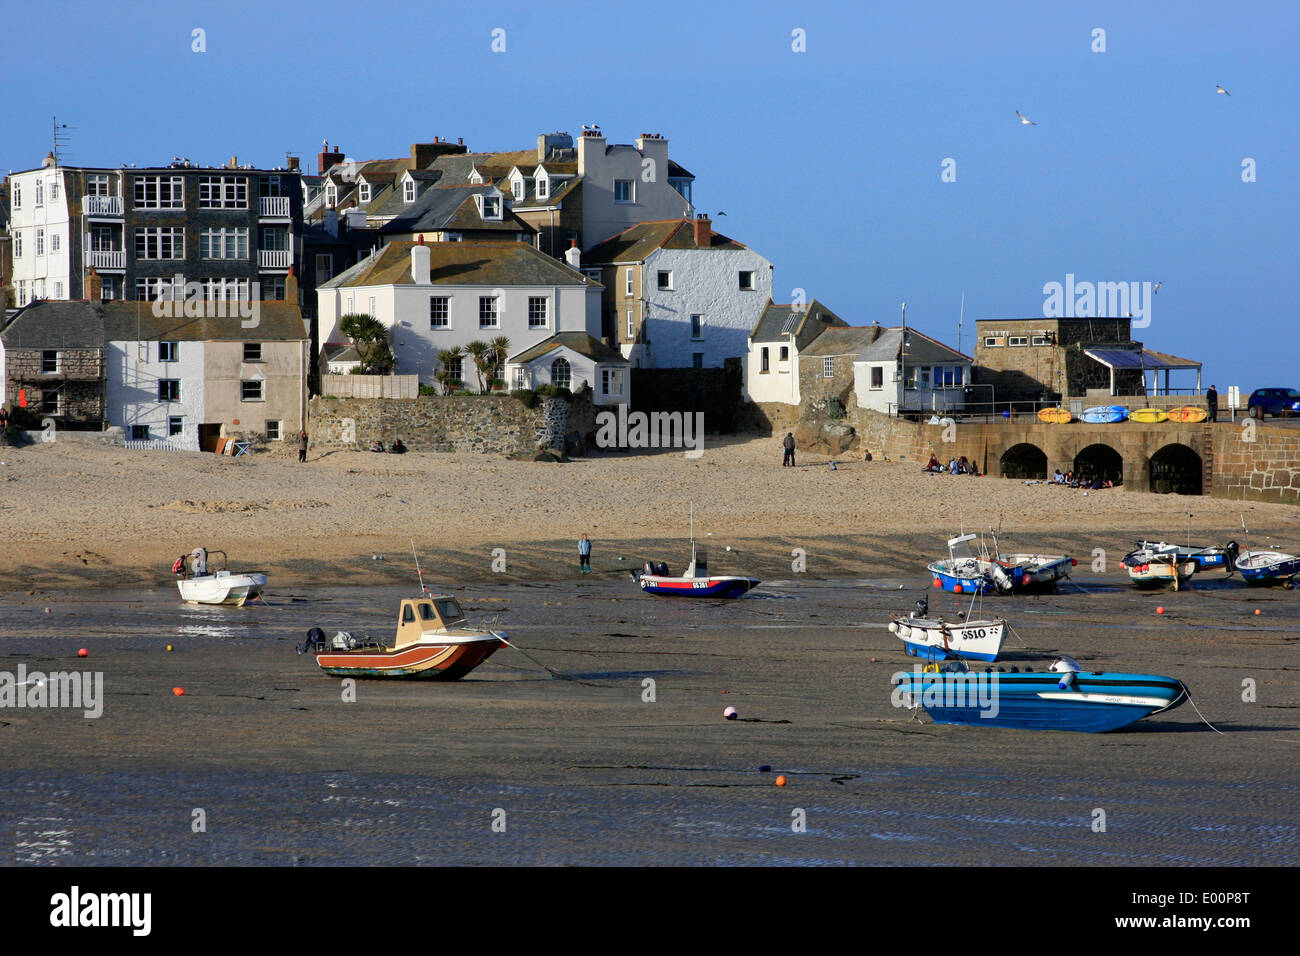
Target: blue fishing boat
1064,698
1204,557
695,582
1268,567
966,571
934,639
1104,414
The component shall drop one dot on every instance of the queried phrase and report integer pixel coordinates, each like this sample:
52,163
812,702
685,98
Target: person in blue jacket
584,554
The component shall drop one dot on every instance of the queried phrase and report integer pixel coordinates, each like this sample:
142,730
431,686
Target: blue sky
827,162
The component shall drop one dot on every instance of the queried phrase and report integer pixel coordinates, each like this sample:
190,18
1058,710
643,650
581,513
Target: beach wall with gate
490,424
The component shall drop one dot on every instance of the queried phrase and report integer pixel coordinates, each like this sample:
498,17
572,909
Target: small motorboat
933,638
695,582
204,579
1267,567
1104,414
433,642
966,571
1153,569
1204,557
1062,698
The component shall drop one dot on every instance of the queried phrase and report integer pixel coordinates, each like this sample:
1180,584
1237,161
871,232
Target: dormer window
408,191
517,187
474,177
543,187
363,192
331,194
491,207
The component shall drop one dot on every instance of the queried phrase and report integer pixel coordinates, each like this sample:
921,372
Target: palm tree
448,378
500,352
482,354
370,338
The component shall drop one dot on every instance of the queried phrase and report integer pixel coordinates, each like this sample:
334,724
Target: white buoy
731,713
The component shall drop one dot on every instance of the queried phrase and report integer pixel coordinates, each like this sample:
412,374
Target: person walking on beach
788,444
1212,403
584,554
302,447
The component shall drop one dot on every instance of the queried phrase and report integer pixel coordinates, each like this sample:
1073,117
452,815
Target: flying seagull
1156,288
1220,89
1025,120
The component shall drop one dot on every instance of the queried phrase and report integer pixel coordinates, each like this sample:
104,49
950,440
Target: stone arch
1176,469
1024,460
1099,461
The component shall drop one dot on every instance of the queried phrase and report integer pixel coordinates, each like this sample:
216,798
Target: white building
627,184
571,360
772,361
444,295
904,368
678,294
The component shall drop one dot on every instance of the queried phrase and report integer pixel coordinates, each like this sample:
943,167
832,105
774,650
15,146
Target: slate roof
82,324
579,342
922,350
452,207
777,321
843,341
463,263
636,242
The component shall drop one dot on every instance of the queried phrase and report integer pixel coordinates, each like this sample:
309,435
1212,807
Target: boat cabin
699,566
418,617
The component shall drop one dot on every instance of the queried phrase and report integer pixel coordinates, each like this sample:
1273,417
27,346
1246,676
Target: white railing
274,258
103,205
274,207
106,258
159,444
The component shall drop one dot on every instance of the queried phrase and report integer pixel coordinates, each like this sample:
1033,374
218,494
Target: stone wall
1266,469
488,424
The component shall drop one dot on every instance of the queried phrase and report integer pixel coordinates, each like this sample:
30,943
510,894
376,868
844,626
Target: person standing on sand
1212,403
584,554
788,444
302,447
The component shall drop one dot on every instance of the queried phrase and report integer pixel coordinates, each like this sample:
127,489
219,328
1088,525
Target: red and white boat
433,642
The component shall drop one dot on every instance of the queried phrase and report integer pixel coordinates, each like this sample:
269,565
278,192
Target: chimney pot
460,141
702,231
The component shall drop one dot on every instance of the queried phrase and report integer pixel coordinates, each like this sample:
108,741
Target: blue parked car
1273,401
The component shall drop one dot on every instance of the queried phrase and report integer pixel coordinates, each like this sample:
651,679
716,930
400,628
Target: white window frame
168,351
628,284
40,242
489,312
631,327
828,367
161,238
611,381
58,362
172,394
1018,341
408,190
275,429
40,193
253,352
54,242
97,184
991,342
168,192
247,385
542,185
491,208
175,425
434,317
536,321
1040,340
223,192
363,192
517,190
223,243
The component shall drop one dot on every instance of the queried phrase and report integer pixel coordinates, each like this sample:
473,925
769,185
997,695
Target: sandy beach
74,512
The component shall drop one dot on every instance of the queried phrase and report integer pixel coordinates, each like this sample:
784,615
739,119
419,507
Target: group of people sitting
956,466
397,449
1070,480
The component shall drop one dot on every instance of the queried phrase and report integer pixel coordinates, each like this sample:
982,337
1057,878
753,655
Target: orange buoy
1160,610
83,653
178,691
938,583
1258,611
780,781
956,589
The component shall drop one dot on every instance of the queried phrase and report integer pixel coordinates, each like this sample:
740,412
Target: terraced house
223,228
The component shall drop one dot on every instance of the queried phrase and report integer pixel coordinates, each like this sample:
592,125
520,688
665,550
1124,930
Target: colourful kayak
1104,414
1055,416
1149,415
1188,413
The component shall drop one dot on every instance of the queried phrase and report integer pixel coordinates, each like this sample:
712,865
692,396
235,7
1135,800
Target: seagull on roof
1025,120
1219,89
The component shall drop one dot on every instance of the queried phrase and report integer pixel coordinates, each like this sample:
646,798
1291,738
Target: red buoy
938,583
956,589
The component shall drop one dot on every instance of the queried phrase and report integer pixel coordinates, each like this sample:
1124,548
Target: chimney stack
292,163
703,231
573,255
94,287
234,162
327,158
420,257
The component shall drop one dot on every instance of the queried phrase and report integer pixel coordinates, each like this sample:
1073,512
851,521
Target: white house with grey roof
774,344
905,368
571,360
439,296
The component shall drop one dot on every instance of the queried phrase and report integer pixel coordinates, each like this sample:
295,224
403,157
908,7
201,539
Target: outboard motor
1232,549
1067,667
922,608
661,568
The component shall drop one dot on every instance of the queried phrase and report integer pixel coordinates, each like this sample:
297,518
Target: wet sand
585,771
